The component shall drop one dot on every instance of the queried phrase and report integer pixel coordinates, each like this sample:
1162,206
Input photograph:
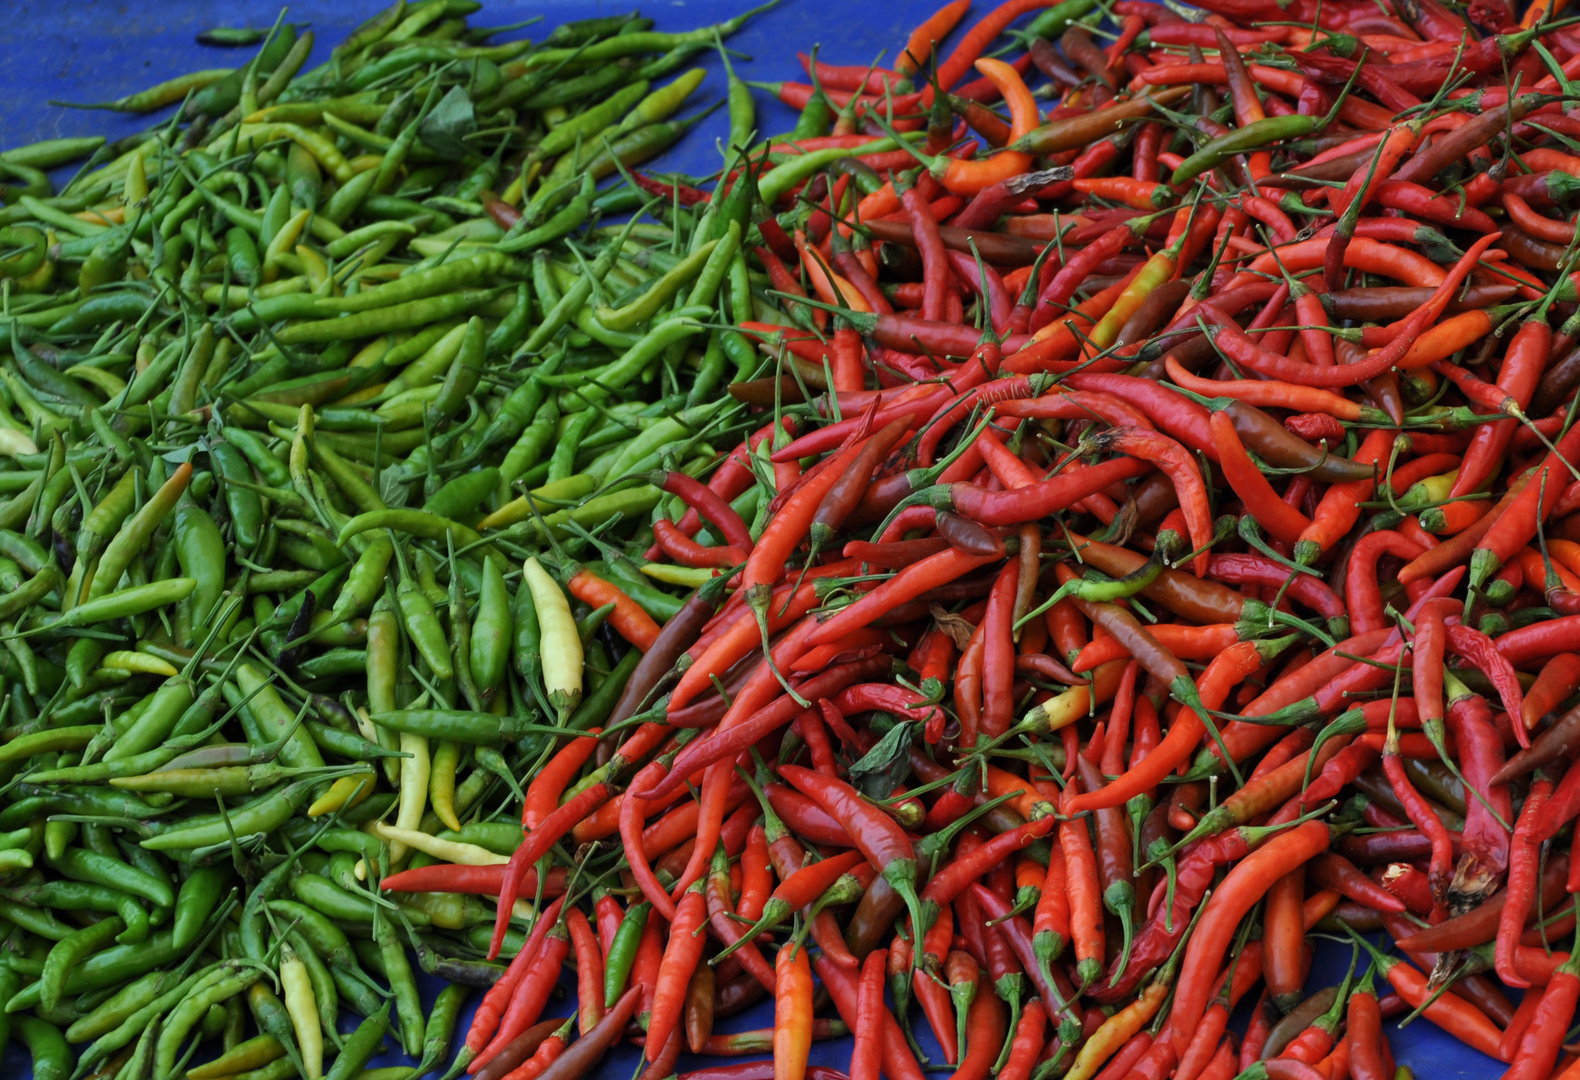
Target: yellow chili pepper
1117,1030
303,1010
561,645
453,851
283,241
137,663
413,788
347,791
441,782
1159,268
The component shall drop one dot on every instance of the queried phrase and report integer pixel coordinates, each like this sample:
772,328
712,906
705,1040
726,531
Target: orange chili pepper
925,38
792,1012
628,618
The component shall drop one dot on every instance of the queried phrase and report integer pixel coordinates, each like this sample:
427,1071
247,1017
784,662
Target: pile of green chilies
269,367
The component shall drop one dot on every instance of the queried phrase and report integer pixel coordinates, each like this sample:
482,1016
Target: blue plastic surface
84,51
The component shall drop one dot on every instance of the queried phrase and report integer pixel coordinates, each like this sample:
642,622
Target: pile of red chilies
1170,548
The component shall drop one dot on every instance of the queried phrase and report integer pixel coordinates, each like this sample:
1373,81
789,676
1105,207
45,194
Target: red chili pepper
724,745
930,989
687,552
670,192
1523,874
1242,350
540,839
843,987
1283,941
632,810
589,971
876,834
675,971
867,1054
1331,870
1453,1014
1475,647
728,930
1052,985
1272,513
548,1052
503,214
1251,569
469,880
1085,891
531,993
713,805
1026,1043
608,914
805,816
1542,1042
710,506
1245,885
485,1022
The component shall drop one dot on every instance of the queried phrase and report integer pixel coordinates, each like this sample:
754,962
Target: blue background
77,50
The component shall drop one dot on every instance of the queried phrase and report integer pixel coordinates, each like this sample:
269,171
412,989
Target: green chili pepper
68,952
491,632
633,147
1253,136
274,719
221,96
464,374
50,153
246,508
360,1046
660,292
273,1019
200,550
108,967
106,517
564,220
629,502
472,728
51,1055
408,1005
262,815
136,532
778,182
330,899
635,44
562,461
199,896
241,255
622,952
405,315
109,1013
86,896
588,124
167,706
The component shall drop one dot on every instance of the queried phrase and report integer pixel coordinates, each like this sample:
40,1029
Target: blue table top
90,50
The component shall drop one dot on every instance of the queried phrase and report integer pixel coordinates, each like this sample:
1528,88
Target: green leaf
445,129
393,488
887,765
